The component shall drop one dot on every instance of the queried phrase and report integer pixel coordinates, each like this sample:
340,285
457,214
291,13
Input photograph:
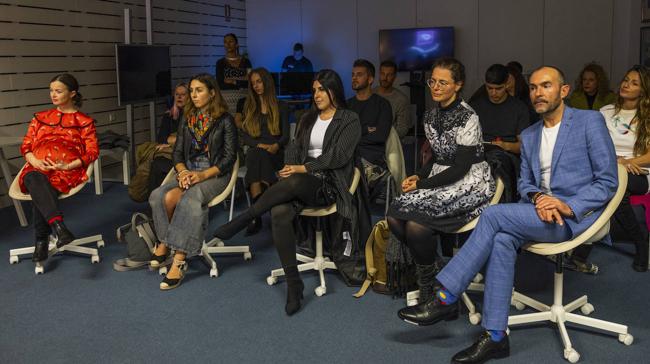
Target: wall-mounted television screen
143,73
415,49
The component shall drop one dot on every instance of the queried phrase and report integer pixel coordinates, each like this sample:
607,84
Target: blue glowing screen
415,49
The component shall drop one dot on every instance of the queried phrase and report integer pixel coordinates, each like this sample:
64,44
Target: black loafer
483,350
40,250
429,313
63,234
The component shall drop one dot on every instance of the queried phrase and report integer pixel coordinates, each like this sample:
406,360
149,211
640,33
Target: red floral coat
61,137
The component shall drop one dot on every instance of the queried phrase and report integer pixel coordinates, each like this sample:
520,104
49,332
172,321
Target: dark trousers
44,202
624,215
279,199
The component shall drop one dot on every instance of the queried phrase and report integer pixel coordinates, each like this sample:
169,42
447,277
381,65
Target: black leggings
278,199
624,215
44,202
420,239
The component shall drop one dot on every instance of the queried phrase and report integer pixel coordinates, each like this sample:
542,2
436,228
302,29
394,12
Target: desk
6,173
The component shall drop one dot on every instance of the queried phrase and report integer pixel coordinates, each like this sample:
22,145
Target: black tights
420,239
44,202
278,199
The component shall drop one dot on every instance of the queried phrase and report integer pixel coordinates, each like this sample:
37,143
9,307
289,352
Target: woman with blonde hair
628,121
204,154
592,90
265,130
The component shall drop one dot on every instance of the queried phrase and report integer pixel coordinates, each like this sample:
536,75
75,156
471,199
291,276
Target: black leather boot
483,350
294,290
40,250
640,263
229,229
426,275
63,234
255,225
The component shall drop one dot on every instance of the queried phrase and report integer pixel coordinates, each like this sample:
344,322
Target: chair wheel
626,339
162,271
571,355
13,259
100,244
320,290
214,273
94,259
248,256
270,280
519,306
39,269
220,243
474,318
587,308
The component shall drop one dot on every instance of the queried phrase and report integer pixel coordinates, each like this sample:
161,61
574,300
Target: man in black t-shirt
501,116
297,62
376,117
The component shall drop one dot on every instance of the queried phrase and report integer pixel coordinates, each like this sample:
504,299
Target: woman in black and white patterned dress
454,187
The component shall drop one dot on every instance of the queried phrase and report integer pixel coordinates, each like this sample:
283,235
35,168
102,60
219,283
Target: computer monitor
143,73
415,49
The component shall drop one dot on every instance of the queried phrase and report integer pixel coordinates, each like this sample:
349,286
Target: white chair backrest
394,155
595,232
171,176
17,194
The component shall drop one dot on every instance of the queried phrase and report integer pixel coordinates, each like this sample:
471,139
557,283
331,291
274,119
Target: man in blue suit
568,174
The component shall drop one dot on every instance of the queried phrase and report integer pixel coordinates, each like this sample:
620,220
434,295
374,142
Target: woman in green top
592,89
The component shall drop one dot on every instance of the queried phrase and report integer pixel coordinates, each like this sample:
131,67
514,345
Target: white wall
566,33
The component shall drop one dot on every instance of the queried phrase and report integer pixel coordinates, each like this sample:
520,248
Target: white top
549,136
317,136
621,130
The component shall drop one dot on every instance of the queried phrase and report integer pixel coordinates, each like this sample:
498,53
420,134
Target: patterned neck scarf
199,125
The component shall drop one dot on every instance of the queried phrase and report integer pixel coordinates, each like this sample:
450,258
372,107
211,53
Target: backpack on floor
140,240
376,259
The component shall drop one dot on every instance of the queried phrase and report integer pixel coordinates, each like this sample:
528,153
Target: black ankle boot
228,230
640,263
426,274
63,234
40,250
294,290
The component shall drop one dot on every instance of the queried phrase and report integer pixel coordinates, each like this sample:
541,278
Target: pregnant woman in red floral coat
59,145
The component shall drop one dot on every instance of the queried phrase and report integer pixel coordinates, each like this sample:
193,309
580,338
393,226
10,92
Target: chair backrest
495,200
17,194
324,211
171,176
394,155
595,232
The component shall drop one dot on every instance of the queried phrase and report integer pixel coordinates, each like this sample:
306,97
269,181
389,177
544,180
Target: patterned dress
61,137
446,208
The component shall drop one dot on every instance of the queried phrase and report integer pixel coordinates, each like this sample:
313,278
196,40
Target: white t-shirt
621,130
317,137
549,136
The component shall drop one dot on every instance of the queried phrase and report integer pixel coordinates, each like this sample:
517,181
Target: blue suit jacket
583,167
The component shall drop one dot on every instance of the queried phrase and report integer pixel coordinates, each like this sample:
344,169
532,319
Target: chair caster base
320,290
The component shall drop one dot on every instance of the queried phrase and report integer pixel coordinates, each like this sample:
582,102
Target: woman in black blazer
319,166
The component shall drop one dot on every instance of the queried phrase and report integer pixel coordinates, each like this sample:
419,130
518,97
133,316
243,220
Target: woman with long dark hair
59,145
628,121
318,171
265,130
204,154
454,187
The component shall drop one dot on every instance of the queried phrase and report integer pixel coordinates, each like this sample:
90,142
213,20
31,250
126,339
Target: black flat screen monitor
294,83
143,73
415,49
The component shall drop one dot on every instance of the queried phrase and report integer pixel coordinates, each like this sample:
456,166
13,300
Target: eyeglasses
441,83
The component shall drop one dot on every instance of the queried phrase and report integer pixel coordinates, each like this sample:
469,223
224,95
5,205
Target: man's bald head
556,72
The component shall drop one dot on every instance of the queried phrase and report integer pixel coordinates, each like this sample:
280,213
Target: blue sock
496,335
446,297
